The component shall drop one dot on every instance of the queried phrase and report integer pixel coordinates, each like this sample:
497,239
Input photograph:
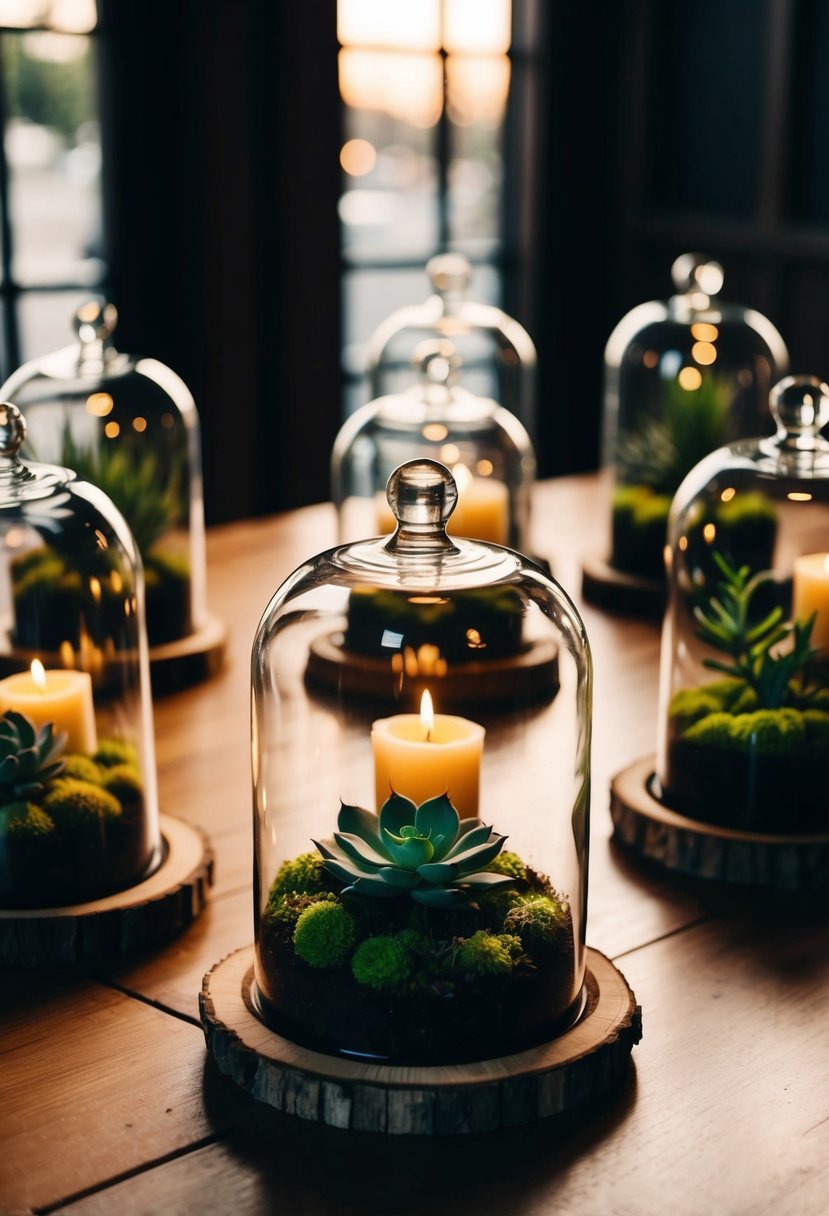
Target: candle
811,594
424,755
63,698
482,510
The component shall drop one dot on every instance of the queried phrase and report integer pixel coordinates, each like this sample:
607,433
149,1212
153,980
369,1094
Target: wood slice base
603,586
148,914
530,677
704,850
585,1064
190,660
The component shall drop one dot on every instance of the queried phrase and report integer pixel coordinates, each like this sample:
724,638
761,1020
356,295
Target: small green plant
488,953
79,805
324,935
425,851
538,923
303,875
382,962
29,757
727,624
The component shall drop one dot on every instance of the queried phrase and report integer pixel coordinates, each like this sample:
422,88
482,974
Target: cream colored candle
482,510
63,698
811,594
421,756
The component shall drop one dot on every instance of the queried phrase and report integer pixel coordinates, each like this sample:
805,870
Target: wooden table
110,1104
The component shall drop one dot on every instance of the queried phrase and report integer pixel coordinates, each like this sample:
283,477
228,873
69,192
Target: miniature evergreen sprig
727,625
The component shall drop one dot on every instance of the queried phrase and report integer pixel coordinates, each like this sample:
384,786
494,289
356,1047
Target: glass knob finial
697,272
422,494
800,405
449,273
438,362
95,321
12,430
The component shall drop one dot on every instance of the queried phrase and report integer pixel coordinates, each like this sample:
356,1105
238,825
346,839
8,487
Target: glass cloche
78,812
744,699
128,425
421,767
498,354
682,377
486,447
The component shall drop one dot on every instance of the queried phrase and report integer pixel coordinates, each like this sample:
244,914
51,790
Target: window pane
481,26
477,91
53,149
71,16
415,27
46,321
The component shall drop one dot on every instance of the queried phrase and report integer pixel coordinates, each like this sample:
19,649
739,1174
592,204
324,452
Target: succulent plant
426,851
29,756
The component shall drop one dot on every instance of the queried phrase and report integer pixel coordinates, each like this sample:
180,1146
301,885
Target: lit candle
811,594
63,698
482,510
423,755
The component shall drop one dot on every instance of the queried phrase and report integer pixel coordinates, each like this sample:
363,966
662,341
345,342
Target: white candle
421,756
811,594
482,510
63,698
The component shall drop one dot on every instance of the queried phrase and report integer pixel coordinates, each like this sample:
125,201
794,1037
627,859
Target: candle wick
428,734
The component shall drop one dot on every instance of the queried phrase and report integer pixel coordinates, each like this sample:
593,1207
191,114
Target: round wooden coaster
704,850
582,1065
526,678
603,586
190,660
151,912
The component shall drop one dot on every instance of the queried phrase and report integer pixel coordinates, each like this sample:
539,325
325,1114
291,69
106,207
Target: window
424,89
51,245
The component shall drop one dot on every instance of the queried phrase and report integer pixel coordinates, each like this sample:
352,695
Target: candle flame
427,713
39,675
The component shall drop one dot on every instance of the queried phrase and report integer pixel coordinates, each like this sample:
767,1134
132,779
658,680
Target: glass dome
682,377
498,354
744,698
128,425
488,450
79,812
421,769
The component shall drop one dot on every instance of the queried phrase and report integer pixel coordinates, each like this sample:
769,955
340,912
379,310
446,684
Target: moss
83,768
690,705
770,732
303,875
746,508
25,821
651,511
115,751
508,863
287,909
383,962
124,782
537,922
488,953
75,804
627,498
324,935
816,724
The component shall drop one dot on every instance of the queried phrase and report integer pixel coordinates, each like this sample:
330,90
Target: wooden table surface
110,1104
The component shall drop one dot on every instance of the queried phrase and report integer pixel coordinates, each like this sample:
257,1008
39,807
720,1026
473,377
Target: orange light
427,714
704,353
358,157
38,675
650,358
435,431
728,494
112,430
709,532
484,467
703,332
139,424
99,405
690,378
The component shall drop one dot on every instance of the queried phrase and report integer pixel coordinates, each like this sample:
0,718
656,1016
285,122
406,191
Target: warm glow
477,26
38,675
168,421
95,588
484,467
99,405
709,532
450,453
427,714
703,332
704,353
477,89
358,157
413,27
112,430
406,87
799,496
683,543
690,378
728,494
139,424
435,431
650,358
463,477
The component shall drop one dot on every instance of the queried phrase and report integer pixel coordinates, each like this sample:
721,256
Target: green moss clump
816,724
488,953
508,863
770,732
124,781
115,751
382,962
25,821
83,768
303,875
324,935
537,922
288,908
75,804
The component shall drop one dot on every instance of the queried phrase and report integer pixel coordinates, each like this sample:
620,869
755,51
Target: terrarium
78,807
682,377
420,820
498,354
487,449
744,702
129,426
